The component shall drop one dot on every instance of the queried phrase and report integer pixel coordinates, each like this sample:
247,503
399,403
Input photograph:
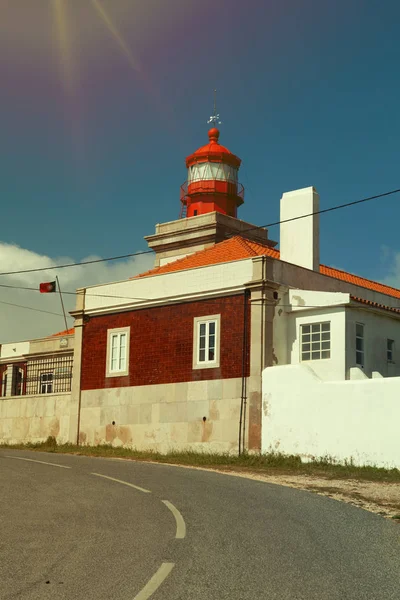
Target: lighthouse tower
209,201
212,184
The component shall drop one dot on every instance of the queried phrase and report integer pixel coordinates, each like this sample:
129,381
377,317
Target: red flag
48,287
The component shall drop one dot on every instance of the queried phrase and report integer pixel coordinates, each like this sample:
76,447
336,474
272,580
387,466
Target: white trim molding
118,334
213,337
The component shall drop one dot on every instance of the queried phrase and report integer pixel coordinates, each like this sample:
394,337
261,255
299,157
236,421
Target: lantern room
212,183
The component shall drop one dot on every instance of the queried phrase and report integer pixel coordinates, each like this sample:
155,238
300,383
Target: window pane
326,327
202,355
315,346
202,342
202,329
211,327
359,344
315,356
326,336
305,329
122,359
360,358
326,354
306,337
305,356
315,337
325,345
316,327
359,329
122,340
306,347
211,354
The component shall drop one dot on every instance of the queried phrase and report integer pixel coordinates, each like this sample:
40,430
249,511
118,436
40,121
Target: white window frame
390,346
307,342
360,352
197,322
46,383
110,334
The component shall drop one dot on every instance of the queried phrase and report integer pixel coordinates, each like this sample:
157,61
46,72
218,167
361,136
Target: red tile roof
375,304
360,281
65,332
238,248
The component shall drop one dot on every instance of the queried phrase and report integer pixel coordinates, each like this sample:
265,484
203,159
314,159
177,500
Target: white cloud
21,324
390,260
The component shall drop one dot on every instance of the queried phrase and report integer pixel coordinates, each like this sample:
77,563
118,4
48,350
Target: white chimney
299,239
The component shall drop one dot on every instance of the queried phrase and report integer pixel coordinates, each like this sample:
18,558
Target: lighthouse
209,202
212,184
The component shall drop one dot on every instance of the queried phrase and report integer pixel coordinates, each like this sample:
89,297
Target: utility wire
35,289
320,212
85,262
99,260
215,300
31,308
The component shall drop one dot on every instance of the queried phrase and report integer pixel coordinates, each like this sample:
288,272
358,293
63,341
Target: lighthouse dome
213,152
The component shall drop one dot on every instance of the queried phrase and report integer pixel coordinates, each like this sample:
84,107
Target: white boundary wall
342,419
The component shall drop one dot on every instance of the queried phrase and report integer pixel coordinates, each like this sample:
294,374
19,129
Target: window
17,384
316,341
390,351
206,342
208,171
59,366
360,345
118,352
46,383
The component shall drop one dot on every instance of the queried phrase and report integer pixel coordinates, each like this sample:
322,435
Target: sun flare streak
115,33
65,47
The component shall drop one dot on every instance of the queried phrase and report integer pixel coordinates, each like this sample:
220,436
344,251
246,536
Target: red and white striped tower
212,183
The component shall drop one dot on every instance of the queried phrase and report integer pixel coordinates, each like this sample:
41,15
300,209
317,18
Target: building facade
36,380
228,344
174,358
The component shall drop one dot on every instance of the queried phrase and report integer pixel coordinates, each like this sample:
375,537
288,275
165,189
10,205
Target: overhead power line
213,300
320,212
80,264
48,312
99,260
35,289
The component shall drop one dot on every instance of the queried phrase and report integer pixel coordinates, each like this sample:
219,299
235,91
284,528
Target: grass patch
272,463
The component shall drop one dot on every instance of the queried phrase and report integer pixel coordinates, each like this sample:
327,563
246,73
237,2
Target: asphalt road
68,534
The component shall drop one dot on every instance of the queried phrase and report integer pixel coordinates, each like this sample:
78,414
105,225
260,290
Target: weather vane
215,116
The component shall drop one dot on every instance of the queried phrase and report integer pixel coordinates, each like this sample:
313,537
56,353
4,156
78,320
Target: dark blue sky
308,92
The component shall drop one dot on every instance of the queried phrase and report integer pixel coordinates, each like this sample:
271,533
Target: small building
35,384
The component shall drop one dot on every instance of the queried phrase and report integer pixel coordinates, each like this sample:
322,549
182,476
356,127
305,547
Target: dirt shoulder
378,497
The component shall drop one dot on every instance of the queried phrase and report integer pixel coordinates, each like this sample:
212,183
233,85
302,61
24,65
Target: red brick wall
161,344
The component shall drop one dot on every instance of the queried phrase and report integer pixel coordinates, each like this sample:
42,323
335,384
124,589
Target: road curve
126,530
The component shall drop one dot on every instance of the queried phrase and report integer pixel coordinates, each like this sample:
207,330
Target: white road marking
180,523
123,482
42,462
155,581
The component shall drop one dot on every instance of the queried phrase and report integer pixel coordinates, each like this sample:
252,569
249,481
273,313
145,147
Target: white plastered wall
344,420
